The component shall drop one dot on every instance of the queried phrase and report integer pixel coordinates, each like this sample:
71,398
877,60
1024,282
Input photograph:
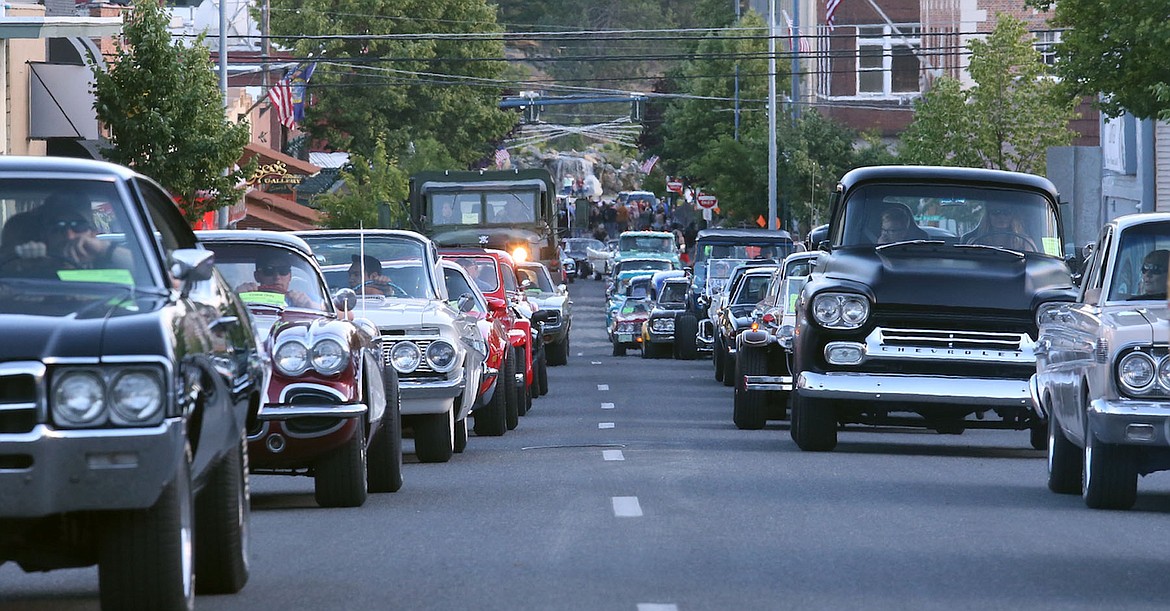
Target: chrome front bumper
1130,421
893,388
781,383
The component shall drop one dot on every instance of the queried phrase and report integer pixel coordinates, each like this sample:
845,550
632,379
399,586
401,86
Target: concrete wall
1076,172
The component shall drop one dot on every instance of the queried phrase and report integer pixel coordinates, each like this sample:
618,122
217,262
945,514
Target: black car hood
44,322
947,276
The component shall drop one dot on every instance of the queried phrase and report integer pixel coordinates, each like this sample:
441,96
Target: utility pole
795,59
223,51
772,156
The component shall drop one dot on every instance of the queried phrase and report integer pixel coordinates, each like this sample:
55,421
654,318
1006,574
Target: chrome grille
937,338
554,318
19,397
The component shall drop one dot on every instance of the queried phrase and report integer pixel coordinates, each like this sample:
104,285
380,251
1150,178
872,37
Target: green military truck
509,210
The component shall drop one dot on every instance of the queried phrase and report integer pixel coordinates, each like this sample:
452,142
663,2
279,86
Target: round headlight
79,400
405,357
291,358
1136,371
441,356
329,357
1164,373
840,310
136,398
520,254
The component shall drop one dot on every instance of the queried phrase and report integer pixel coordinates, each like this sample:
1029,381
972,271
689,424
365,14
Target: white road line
595,362
580,354
607,406
626,507
603,387
613,455
605,425
657,607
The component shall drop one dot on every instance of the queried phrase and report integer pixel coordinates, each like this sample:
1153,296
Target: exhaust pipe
275,443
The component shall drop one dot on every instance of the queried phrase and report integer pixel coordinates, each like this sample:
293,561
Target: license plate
625,337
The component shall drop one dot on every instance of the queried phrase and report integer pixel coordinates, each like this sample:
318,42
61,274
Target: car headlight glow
328,356
840,310
79,400
137,398
1136,371
441,356
520,254
291,358
405,357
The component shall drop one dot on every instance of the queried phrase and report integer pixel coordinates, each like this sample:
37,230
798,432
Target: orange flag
761,222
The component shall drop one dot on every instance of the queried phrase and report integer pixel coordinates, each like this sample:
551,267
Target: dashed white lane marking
603,387
607,406
595,362
580,354
605,425
657,607
626,507
613,455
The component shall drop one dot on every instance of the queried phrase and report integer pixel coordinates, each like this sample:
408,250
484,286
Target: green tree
162,104
369,182
402,90
1008,120
1117,48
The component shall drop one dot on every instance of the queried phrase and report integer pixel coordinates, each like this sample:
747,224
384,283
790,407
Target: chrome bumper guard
286,412
781,383
893,388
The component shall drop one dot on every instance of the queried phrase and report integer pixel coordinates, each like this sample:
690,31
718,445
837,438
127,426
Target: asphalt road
628,488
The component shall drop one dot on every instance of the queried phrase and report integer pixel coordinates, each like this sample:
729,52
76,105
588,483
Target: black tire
686,329
618,349
728,368
492,419
460,436
222,515
434,437
750,411
384,459
558,352
542,375
647,350
512,391
1038,436
1065,461
145,561
717,357
340,477
1110,480
814,425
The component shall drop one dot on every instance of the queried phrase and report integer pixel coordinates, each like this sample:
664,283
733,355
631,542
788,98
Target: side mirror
562,289
191,265
466,303
497,305
345,299
540,316
525,285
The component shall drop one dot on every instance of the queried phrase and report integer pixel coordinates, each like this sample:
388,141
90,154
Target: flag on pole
649,164
280,96
830,10
298,81
502,158
796,41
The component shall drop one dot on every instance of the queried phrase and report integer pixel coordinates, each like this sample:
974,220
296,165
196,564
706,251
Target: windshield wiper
911,243
1009,251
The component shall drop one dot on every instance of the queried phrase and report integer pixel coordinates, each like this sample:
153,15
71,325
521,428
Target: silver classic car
1103,368
435,348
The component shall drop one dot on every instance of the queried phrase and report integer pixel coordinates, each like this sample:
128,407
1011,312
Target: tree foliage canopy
1117,48
1007,120
432,87
369,182
162,104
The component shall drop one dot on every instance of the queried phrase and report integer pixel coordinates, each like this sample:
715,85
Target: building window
886,61
1046,41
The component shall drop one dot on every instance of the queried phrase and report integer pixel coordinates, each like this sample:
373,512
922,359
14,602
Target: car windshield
744,249
1014,219
721,269
70,231
267,274
752,289
405,255
644,243
483,271
798,267
673,292
459,285
580,245
1140,266
538,276
478,208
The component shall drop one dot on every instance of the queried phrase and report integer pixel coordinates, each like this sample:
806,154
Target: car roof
256,235
742,232
30,164
911,173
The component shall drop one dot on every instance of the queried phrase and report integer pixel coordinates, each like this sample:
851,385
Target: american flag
280,96
794,36
830,9
649,164
502,158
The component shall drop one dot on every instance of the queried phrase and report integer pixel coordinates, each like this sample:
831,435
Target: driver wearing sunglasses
273,273
67,234
1154,273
